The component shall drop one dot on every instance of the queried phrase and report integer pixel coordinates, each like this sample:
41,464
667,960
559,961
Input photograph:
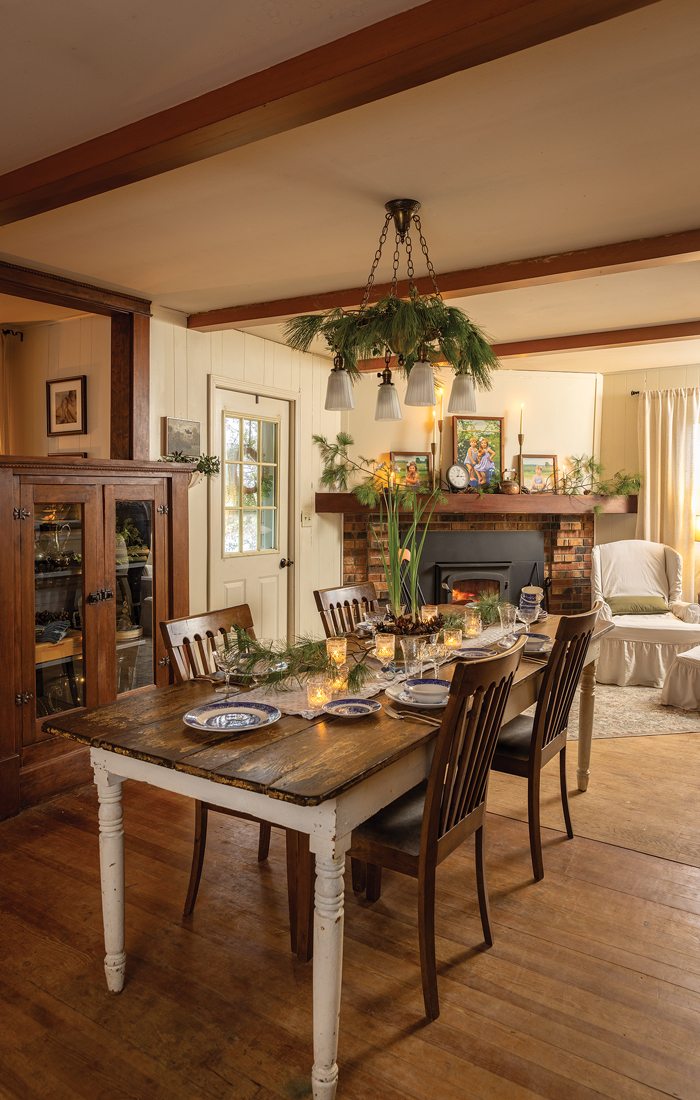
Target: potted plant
204,466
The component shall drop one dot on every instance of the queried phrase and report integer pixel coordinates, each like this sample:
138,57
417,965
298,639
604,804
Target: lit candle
318,691
428,612
339,680
472,622
452,638
337,649
521,418
385,647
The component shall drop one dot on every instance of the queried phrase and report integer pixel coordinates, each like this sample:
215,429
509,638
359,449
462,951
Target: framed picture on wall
478,445
414,469
181,437
539,473
66,405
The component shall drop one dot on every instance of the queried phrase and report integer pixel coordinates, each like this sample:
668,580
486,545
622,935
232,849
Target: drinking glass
529,613
409,648
226,660
430,654
507,613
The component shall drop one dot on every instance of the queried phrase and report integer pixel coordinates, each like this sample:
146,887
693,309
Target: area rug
633,712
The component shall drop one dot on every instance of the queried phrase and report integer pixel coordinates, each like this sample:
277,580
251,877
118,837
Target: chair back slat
467,742
561,677
341,609
191,641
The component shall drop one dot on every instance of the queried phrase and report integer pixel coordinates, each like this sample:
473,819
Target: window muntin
250,484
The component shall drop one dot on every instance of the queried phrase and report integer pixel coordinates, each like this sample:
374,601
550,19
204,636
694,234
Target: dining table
319,776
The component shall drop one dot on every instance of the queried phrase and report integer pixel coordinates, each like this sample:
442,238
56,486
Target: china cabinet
95,554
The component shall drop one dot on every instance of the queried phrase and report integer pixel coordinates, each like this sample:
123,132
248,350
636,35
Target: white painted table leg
328,962
109,793
585,724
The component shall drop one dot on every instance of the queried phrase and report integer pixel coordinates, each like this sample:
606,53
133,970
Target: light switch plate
307,518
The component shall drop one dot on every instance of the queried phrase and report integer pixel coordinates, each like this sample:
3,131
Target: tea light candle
452,638
428,612
385,647
339,679
318,691
472,622
337,649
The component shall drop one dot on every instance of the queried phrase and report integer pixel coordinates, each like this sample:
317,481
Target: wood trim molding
606,259
404,51
542,504
42,286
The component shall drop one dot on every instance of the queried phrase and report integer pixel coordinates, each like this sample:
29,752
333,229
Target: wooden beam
129,398
41,286
579,341
584,263
404,51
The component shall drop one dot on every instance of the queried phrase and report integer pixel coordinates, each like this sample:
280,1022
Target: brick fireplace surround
568,541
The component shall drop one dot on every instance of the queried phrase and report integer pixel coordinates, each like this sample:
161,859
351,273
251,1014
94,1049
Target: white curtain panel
667,425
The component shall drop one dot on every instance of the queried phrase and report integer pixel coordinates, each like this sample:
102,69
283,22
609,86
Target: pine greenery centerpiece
397,507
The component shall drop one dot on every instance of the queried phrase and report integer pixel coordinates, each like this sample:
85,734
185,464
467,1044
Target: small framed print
414,469
539,473
66,406
182,437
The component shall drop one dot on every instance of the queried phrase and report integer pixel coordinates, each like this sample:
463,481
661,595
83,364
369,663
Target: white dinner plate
351,708
475,653
229,716
400,695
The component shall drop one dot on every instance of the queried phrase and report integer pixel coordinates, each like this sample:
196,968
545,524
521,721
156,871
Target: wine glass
529,613
226,660
430,654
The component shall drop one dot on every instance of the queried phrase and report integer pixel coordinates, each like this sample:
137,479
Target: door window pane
250,485
133,595
58,607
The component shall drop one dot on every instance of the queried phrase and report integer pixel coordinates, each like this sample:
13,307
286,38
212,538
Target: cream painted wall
80,345
181,364
561,416
619,449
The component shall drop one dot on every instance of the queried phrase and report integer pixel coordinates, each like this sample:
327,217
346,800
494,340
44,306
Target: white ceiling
581,141
85,68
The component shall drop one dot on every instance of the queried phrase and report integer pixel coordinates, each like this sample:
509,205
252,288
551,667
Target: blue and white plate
537,643
351,708
230,716
400,695
473,654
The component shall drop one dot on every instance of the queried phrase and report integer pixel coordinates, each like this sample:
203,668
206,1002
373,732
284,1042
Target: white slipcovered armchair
641,648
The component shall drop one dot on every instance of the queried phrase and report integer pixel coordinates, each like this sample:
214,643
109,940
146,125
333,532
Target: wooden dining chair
191,644
341,609
527,743
419,830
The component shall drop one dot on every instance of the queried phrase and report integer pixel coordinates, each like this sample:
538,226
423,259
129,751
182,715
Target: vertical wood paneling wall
619,449
181,363
80,345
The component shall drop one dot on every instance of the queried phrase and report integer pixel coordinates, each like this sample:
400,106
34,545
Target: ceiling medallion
416,329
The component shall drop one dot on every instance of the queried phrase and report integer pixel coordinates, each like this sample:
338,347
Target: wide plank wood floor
591,989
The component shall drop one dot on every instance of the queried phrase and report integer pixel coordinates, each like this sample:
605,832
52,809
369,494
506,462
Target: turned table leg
328,962
585,724
109,793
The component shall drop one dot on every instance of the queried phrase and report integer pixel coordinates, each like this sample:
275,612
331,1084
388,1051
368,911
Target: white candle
521,418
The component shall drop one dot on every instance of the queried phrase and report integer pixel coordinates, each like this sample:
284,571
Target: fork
416,717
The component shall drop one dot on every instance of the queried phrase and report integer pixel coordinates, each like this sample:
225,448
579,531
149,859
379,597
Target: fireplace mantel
541,504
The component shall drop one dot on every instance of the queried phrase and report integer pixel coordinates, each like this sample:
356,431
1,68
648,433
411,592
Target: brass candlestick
521,440
439,470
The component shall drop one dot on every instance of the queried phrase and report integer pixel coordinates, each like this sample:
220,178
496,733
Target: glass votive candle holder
318,691
339,679
428,612
472,622
452,638
385,647
337,650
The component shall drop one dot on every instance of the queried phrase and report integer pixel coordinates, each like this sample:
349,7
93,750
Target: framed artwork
414,469
66,405
182,436
539,473
478,445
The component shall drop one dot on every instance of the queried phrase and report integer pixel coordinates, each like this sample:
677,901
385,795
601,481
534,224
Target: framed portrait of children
414,469
539,473
478,445
66,405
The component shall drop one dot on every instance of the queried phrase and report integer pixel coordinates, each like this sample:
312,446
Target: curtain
4,398
667,425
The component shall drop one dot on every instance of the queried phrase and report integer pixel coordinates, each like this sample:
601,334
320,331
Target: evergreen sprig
286,665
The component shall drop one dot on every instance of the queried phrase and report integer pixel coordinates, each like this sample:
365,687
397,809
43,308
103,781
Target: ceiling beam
606,259
579,341
42,286
404,51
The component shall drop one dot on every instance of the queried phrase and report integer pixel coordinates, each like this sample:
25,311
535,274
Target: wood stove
460,566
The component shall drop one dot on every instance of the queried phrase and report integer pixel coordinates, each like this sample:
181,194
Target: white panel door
249,509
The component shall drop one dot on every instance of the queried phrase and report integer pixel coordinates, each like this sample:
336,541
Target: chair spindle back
562,674
341,609
191,641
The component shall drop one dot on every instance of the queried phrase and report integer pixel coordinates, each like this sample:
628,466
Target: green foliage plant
209,465
584,475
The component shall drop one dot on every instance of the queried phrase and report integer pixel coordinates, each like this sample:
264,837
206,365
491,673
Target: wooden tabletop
298,760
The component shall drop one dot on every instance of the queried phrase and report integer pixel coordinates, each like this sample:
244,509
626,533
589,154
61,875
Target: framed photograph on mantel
182,436
539,473
66,405
478,445
414,469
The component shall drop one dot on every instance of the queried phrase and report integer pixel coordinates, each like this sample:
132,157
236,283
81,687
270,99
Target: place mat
489,636
293,700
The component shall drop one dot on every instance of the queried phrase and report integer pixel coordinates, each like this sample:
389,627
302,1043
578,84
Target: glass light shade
339,395
463,395
421,384
388,405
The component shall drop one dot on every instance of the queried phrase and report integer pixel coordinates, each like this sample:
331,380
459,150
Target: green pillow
637,605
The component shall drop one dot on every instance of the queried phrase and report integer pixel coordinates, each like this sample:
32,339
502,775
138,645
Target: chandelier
416,330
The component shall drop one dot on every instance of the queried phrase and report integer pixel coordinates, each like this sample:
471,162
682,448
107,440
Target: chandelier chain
410,270
375,261
395,268
428,261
